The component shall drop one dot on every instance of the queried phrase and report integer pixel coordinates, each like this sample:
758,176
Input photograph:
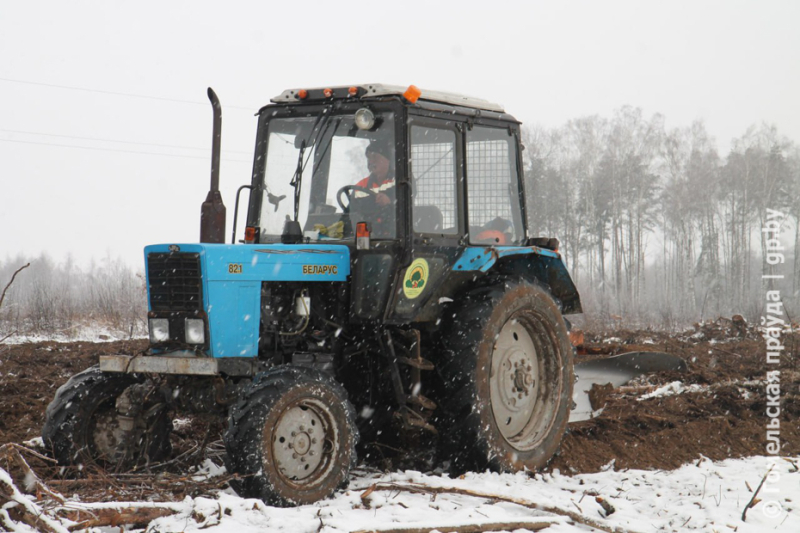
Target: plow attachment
612,372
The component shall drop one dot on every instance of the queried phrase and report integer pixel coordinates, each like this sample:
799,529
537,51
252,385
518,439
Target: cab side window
433,180
493,187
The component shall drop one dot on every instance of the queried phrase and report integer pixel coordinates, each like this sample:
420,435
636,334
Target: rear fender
533,262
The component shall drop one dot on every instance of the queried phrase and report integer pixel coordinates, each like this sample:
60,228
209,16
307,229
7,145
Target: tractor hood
223,282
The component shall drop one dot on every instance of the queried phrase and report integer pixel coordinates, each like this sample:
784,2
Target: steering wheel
346,190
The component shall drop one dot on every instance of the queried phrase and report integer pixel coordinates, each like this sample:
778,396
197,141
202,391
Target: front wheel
83,425
291,437
507,378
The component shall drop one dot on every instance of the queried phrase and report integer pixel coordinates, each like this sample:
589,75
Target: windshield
346,176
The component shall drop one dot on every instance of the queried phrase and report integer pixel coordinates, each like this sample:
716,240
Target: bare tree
5,290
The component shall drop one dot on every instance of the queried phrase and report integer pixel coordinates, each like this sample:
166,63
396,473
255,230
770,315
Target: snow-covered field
706,496
702,496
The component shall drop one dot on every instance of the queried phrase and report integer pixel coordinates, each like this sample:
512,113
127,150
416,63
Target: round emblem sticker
415,279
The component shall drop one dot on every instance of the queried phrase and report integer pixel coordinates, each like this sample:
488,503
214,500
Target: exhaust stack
212,212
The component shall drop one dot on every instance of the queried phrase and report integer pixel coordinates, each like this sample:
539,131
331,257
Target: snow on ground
676,387
80,333
701,496
706,496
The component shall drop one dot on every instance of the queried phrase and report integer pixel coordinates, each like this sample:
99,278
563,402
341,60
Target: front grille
175,282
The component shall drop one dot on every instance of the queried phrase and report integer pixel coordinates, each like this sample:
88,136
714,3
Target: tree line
50,296
655,225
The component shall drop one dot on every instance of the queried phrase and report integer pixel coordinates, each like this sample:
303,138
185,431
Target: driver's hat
380,146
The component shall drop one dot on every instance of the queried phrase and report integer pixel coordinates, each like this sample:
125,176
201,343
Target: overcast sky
143,67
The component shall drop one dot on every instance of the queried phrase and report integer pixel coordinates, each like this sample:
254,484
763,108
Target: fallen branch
753,500
423,489
25,449
26,511
23,509
366,494
12,453
102,487
133,516
725,351
468,528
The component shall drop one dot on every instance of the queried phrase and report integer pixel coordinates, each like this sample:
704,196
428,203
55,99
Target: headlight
159,330
365,119
195,331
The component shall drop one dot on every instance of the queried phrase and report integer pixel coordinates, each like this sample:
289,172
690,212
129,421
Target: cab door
437,222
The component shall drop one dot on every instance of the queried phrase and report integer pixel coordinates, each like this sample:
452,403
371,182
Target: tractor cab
319,149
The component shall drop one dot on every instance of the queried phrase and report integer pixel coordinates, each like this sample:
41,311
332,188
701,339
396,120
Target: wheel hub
514,383
108,437
302,443
299,442
523,380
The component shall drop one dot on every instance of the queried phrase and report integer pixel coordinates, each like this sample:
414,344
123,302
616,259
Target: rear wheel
507,379
291,437
82,424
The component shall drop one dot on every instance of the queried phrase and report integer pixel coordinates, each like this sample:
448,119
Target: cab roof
379,89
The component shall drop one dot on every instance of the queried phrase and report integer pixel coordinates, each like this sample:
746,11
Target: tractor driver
380,181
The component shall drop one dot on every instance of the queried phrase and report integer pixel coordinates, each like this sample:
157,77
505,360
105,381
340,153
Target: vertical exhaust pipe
212,212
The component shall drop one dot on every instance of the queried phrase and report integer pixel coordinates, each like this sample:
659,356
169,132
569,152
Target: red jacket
388,183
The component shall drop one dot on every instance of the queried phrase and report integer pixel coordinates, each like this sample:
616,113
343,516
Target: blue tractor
386,282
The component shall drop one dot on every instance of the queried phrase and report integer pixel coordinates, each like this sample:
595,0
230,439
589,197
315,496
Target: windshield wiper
319,124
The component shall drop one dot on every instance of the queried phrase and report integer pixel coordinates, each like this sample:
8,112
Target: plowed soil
725,417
